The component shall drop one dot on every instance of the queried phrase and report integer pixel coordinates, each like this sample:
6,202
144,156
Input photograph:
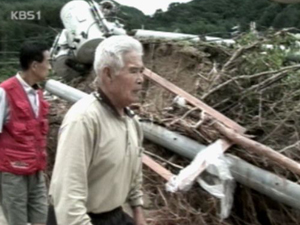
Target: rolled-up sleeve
135,197
69,185
3,109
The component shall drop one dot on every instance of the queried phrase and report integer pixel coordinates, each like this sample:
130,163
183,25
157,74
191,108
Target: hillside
196,17
218,17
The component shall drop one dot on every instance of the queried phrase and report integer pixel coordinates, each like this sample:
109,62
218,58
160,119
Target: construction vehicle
86,24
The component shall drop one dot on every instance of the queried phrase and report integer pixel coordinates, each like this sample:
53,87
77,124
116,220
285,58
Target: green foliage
218,17
196,17
264,61
13,33
272,53
6,72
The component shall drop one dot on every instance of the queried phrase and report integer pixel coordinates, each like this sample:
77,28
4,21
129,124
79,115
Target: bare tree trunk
258,148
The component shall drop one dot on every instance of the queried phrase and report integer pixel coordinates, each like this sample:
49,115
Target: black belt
106,215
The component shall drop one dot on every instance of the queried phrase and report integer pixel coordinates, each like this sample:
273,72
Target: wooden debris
258,148
193,100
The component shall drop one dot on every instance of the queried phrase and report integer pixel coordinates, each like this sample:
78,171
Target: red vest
23,138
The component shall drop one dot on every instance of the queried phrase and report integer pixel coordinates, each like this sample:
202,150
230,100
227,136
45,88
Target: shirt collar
26,86
103,98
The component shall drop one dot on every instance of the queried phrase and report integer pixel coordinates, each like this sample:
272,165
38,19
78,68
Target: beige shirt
98,163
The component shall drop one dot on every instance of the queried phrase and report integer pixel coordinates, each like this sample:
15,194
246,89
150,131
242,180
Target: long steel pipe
139,33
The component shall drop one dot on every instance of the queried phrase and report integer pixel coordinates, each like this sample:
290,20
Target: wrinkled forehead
133,58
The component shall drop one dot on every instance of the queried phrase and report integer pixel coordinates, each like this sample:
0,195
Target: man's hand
138,216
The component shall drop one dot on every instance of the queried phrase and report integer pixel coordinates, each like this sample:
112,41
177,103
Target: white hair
110,52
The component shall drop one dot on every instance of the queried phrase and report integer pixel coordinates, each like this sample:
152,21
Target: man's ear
107,73
33,65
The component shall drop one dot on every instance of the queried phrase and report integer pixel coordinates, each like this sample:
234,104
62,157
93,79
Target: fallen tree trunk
258,148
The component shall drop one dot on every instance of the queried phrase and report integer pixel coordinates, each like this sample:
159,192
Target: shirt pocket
23,109
19,128
24,133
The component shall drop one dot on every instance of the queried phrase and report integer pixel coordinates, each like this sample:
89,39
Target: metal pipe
171,140
138,33
164,35
277,188
64,91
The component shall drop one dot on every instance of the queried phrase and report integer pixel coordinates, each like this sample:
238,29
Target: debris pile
255,86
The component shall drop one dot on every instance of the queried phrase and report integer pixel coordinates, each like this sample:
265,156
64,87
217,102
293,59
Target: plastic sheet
216,180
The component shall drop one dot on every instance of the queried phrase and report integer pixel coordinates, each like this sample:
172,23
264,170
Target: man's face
126,85
42,68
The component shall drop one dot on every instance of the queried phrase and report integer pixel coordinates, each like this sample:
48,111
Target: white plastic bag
218,182
217,179
187,176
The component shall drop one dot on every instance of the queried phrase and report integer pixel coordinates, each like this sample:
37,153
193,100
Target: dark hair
31,52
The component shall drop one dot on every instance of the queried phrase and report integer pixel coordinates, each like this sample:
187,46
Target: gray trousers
23,198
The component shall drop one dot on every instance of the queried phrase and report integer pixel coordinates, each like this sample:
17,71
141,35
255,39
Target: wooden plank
160,170
192,100
163,172
225,144
258,148
166,174
234,134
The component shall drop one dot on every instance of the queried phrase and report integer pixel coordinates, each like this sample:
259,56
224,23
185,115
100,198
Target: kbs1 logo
25,15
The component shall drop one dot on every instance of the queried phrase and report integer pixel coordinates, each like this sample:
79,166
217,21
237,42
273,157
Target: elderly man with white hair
98,163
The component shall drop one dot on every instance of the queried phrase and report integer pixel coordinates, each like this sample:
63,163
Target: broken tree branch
184,116
258,148
290,146
258,87
164,160
235,55
192,100
281,123
265,73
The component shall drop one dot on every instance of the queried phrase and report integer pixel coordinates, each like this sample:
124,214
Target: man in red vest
23,130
